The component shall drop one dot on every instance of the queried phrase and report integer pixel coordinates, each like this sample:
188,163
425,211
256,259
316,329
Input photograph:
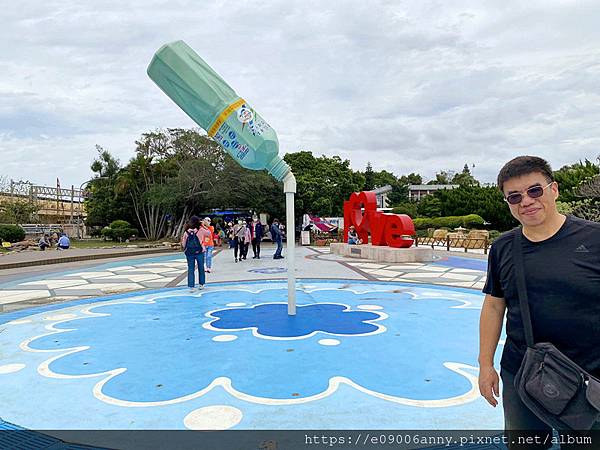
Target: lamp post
79,212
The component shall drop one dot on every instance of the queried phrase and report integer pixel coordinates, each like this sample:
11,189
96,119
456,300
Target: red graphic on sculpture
393,230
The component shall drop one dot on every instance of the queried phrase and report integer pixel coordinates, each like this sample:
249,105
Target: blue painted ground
462,263
356,355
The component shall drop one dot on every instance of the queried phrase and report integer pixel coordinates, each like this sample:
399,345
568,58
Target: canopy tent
314,223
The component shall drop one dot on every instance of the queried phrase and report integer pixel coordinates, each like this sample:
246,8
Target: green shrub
448,222
96,232
107,233
119,230
119,224
408,208
423,223
12,233
472,221
121,234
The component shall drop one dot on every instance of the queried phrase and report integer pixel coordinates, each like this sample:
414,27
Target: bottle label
237,128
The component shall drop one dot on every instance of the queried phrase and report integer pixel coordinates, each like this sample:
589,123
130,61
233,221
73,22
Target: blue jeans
191,262
209,252
279,248
352,241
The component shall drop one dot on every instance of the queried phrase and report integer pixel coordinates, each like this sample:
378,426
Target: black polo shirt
563,285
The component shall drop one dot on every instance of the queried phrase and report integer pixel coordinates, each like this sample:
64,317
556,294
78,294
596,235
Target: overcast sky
412,86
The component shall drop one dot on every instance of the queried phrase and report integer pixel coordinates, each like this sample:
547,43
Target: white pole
289,187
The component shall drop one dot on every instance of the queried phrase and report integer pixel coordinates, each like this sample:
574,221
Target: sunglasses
533,192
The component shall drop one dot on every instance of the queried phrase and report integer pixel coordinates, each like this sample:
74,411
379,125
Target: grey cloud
410,86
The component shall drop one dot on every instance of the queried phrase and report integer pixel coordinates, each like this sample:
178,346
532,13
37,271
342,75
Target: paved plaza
125,345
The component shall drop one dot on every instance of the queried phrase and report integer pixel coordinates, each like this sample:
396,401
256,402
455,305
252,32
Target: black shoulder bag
555,388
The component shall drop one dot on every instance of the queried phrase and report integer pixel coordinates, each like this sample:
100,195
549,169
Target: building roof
431,187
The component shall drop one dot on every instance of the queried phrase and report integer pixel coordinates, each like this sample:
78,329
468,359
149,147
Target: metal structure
56,204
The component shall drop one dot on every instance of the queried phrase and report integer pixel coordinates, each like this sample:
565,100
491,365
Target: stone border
67,259
383,253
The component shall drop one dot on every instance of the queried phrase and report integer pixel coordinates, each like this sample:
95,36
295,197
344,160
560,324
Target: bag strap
522,287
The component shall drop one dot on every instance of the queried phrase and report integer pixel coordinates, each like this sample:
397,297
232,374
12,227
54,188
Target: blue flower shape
163,349
272,320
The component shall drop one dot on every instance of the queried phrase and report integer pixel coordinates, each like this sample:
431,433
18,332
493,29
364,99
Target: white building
417,191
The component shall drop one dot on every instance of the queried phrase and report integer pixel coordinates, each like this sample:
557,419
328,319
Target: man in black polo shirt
562,267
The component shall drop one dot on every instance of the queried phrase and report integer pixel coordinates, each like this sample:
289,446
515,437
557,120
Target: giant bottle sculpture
197,89
214,105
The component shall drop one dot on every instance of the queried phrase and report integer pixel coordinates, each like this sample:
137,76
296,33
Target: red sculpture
394,230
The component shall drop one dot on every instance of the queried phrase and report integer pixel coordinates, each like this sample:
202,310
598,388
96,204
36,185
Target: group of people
251,231
198,243
241,235
199,238
62,242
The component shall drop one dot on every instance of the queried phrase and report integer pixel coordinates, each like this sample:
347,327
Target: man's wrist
485,363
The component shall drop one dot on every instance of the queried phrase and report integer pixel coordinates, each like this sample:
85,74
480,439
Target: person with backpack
191,242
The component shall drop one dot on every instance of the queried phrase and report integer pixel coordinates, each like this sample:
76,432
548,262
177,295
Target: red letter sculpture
394,230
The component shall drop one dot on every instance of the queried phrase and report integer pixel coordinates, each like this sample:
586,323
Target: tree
369,178
408,208
176,173
486,202
105,203
323,183
430,206
17,211
442,177
589,188
384,178
411,178
589,207
465,178
569,178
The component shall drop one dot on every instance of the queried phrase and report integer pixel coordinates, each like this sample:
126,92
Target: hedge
469,221
11,233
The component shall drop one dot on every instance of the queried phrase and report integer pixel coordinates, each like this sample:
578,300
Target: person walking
230,235
239,232
191,242
277,237
247,239
208,243
256,230
562,270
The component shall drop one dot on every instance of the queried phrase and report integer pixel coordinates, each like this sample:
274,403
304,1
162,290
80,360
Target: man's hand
489,384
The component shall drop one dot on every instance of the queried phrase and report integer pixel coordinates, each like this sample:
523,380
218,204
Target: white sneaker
200,287
192,289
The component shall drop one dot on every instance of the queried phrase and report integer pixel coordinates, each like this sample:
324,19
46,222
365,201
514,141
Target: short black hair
194,222
524,165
